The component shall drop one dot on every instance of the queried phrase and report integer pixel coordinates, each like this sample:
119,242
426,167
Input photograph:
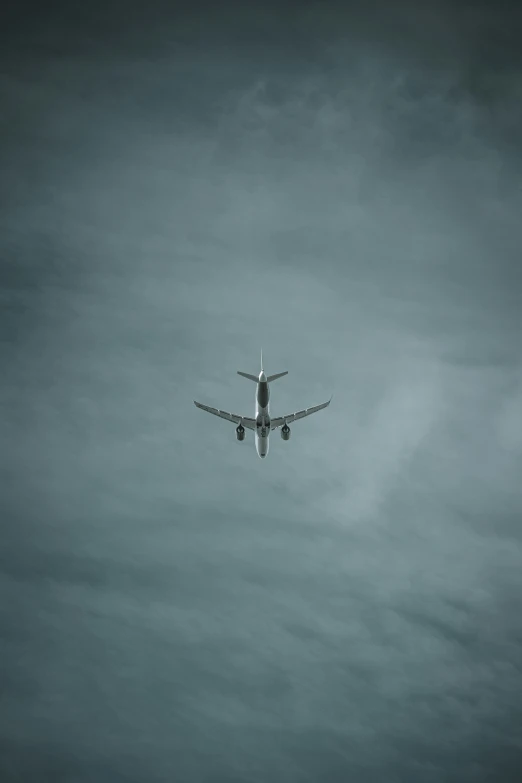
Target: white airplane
262,423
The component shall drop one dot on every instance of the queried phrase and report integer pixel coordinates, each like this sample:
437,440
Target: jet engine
285,432
240,432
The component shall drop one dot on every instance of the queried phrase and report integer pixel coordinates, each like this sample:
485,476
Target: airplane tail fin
269,379
255,378
276,376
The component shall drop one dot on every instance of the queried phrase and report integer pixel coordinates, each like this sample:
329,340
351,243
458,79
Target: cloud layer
342,189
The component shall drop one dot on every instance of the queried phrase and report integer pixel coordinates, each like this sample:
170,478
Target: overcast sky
339,185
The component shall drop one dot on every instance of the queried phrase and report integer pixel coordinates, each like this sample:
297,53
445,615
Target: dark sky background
339,184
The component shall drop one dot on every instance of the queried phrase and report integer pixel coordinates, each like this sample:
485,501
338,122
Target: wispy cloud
177,195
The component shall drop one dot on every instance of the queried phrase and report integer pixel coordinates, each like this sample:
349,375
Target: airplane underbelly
262,446
262,440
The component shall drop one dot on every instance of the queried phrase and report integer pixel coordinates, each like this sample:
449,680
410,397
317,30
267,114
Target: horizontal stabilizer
276,376
247,375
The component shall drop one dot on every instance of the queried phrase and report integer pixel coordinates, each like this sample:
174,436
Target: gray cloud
346,194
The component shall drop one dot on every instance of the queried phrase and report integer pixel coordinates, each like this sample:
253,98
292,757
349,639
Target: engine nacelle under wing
285,432
240,432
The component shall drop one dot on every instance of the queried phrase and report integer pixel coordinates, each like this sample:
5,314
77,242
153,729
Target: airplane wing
233,417
279,422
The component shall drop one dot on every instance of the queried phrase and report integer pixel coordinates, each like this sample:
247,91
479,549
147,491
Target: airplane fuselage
262,432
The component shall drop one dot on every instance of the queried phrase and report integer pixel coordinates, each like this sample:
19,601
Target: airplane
262,424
